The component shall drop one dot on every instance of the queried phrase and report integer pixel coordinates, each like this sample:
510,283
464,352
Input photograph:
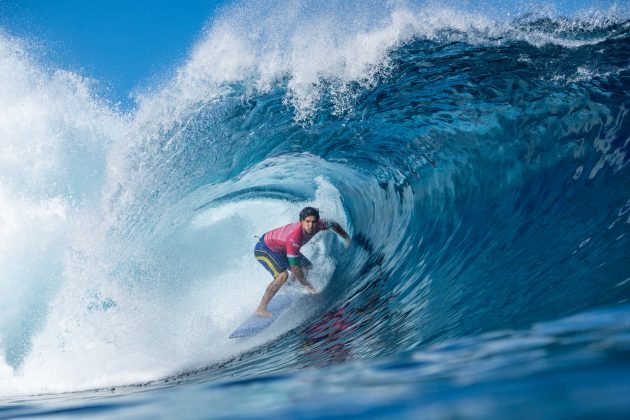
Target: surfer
279,250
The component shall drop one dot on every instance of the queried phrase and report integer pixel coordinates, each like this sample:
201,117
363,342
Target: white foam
53,134
317,50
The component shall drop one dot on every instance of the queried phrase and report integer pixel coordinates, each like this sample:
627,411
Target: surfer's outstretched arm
336,227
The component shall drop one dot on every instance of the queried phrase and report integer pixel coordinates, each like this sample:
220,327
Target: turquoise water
479,164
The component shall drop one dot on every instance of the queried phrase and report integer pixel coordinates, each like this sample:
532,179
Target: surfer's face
308,224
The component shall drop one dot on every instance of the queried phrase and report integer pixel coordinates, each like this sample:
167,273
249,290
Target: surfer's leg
277,264
271,291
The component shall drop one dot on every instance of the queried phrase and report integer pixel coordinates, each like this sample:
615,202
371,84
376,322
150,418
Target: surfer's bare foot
263,313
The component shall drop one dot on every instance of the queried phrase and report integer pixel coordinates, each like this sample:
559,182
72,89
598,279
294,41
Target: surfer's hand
347,242
311,290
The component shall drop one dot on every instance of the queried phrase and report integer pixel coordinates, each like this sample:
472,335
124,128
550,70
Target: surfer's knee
278,281
282,277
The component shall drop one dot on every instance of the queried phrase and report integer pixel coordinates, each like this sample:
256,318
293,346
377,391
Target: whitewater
480,164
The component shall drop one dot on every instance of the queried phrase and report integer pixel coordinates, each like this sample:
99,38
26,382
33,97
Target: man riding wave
279,250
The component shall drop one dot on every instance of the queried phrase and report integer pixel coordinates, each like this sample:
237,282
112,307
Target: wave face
480,165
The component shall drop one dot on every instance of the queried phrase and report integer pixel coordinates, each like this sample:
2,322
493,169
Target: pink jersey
290,238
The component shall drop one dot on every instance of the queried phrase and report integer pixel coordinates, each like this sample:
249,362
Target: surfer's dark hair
309,211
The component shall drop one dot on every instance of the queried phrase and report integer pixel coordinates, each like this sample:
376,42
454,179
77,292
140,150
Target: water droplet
621,283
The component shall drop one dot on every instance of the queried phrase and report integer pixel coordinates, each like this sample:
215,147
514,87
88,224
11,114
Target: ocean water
479,162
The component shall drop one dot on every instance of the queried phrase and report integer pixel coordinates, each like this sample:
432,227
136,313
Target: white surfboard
256,323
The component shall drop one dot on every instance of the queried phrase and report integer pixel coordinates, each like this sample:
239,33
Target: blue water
480,165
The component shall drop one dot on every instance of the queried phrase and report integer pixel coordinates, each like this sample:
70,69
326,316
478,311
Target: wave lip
314,51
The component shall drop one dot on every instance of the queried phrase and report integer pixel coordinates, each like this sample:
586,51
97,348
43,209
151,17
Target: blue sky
130,44
122,44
